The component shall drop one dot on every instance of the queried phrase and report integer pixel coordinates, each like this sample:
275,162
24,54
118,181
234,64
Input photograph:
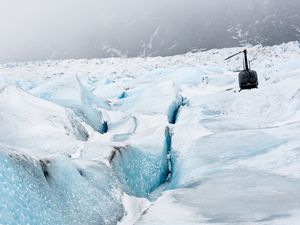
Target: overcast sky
56,29
38,29
41,28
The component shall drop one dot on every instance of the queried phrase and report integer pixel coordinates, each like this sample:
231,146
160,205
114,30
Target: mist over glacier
62,29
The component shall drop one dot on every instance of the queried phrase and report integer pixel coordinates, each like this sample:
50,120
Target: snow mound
39,126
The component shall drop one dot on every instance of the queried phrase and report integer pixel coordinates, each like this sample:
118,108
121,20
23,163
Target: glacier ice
57,191
140,171
71,93
181,141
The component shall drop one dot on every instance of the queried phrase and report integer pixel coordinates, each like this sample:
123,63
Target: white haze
58,29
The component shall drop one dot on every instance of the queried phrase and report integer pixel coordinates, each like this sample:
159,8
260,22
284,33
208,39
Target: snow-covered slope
165,140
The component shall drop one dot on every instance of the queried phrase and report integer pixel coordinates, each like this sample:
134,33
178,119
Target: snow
41,126
162,140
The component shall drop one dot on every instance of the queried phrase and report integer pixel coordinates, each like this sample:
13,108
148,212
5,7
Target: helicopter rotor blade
234,55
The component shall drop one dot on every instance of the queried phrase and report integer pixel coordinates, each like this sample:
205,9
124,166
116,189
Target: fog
61,29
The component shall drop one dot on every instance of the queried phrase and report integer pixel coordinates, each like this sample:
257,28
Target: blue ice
57,191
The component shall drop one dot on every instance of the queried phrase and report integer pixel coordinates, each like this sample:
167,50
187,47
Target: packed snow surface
151,141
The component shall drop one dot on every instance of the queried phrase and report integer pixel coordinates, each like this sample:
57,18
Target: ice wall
140,170
57,191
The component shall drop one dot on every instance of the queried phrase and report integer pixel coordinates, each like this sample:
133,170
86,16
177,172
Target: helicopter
247,77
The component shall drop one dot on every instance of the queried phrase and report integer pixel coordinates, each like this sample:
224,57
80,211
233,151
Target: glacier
158,140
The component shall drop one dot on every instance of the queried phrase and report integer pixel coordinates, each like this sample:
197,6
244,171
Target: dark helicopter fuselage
248,79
